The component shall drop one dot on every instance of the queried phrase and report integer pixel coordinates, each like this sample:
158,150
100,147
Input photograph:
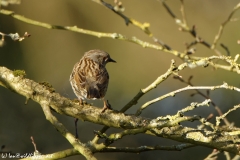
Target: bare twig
226,48
193,106
173,93
142,26
221,28
14,37
164,45
183,13
147,148
206,123
184,27
218,119
205,96
36,152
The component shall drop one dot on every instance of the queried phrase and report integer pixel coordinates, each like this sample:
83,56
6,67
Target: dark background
49,55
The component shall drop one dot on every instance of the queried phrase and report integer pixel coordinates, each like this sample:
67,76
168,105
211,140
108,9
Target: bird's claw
106,106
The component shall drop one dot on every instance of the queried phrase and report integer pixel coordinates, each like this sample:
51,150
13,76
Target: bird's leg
76,120
106,105
80,101
76,130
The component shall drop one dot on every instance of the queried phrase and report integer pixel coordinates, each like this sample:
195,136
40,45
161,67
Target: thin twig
184,27
218,119
226,48
205,96
221,28
183,13
142,26
173,93
164,45
193,106
172,70
147,148
35,146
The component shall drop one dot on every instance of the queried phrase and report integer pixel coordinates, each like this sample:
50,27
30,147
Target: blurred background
49,55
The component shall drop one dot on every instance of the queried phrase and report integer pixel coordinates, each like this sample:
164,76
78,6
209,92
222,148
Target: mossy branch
167,127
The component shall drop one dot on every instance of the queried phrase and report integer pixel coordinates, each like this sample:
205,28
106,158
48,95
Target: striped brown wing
96,83
102,81
77,80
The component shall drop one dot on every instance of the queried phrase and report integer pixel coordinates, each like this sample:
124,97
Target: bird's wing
96,85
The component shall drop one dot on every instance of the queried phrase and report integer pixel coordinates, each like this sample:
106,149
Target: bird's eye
105,59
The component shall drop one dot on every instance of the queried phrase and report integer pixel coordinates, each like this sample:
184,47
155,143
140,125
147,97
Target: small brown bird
89,78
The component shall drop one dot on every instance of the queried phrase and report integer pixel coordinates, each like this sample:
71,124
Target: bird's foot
106,106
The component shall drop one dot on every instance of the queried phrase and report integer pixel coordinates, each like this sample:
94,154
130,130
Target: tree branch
135,40
80,147
147,148
56,155
220,31
173,93
184,27
162,127
142,26
62,105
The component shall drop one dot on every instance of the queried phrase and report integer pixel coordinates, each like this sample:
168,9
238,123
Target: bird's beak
111,60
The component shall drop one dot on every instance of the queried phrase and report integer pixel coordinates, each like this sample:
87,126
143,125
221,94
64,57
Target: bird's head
99,56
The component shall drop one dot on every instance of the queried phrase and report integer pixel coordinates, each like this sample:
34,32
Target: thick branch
162,128
219,140
62,105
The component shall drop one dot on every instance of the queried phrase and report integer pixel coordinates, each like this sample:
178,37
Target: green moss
18,73
48,86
